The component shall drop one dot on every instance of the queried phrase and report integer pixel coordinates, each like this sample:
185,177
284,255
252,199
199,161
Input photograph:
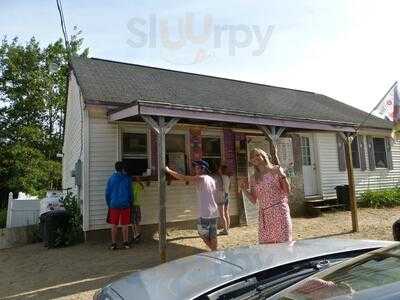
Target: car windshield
370,276
271,281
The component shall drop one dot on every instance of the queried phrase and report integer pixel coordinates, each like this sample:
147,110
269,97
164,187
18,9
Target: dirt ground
34,272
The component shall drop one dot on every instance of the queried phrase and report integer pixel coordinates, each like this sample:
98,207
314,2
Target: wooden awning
146,108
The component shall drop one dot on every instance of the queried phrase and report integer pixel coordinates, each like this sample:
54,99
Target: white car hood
191,276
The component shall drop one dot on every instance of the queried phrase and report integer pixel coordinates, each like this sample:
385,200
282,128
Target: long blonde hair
265,157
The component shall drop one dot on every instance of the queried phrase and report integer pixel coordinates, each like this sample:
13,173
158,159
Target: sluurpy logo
185,42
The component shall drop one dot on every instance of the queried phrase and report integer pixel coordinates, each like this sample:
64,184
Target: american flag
389,107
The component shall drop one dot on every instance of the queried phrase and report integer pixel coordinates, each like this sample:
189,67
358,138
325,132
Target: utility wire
63,27
68,48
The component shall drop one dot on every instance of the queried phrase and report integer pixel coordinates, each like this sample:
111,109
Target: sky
345,49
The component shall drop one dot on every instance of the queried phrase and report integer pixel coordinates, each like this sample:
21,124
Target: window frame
385,152
139,129
355,140
221,144
303,147
185,133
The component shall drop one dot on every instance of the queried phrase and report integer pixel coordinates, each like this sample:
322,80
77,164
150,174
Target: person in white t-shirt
207,206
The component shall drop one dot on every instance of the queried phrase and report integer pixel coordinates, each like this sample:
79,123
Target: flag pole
376,106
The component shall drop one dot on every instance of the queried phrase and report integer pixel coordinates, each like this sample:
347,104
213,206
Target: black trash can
396,230
53,228
342,194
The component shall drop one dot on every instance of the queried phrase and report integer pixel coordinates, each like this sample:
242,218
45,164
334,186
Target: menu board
195,144
229,151
285,152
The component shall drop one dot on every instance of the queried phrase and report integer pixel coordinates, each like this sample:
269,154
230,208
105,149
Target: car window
270,281
360,277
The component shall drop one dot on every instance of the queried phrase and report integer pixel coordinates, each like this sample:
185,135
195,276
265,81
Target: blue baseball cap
202,163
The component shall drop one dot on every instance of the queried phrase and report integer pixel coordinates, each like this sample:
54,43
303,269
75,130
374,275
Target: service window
211,147
175,148
380,153
135,153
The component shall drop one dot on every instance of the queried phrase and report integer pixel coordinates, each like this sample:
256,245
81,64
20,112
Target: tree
33,92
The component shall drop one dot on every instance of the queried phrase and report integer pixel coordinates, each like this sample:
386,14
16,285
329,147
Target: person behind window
119,199
270,188
317,288
207,209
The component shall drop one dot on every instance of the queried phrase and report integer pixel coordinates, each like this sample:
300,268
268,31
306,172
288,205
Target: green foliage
381,198
74,230
33,92
28,170
3,218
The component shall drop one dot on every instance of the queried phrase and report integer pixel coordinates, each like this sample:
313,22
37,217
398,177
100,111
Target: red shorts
119,216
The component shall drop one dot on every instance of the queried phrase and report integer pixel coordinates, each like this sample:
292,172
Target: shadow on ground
35,272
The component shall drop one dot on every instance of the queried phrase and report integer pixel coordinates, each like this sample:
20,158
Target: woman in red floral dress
270,188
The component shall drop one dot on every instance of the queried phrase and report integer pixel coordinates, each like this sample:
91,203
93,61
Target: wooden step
314,197
314,200
316,211
320,202
328,206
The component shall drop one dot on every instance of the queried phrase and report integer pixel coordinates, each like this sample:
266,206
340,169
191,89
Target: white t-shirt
206,191
226,180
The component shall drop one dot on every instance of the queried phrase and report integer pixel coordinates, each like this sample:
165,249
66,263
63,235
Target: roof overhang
145,108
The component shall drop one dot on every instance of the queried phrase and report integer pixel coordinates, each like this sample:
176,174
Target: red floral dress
274,222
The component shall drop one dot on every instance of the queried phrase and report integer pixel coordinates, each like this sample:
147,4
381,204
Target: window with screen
175,148
380,153
305,151
355,154
211,148
134,153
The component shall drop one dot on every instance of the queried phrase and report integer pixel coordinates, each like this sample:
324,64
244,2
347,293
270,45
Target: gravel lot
33,272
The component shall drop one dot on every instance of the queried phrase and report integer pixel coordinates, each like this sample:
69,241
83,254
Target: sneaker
126,245
137,238
223,232
113,246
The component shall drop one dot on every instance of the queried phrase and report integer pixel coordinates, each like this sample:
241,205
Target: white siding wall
104,152
72,136
330,176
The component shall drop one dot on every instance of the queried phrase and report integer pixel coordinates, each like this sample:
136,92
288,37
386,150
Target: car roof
192,276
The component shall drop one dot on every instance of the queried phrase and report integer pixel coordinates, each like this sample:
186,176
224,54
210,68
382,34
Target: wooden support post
161,128
348,139
273,136
162,191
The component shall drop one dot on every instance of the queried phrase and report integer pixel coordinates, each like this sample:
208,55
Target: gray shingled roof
123,83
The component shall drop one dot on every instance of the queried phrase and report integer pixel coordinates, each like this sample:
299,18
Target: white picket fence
22,212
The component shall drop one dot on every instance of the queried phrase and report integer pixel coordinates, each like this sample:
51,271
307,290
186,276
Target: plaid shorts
207,228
